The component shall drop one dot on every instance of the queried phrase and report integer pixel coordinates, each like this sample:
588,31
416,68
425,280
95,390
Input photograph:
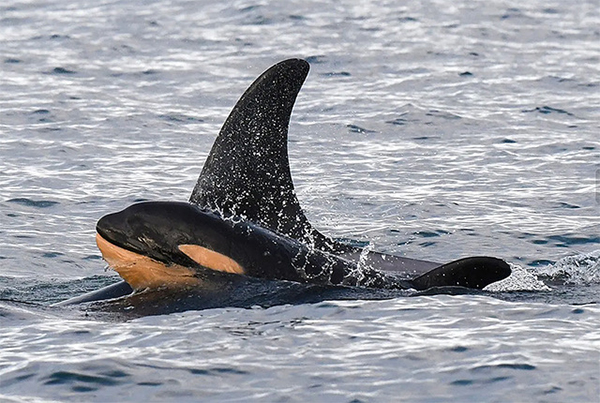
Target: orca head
165,244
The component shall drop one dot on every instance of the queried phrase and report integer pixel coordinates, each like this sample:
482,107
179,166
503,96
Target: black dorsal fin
247,172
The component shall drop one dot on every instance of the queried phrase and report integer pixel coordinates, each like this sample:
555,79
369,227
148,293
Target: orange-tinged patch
211,259
142,272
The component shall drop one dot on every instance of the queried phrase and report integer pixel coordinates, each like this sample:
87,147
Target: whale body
243,220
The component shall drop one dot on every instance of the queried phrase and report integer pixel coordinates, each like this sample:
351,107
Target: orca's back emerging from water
260,229
247,172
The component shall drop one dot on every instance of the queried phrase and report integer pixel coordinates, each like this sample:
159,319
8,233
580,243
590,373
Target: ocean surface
434,130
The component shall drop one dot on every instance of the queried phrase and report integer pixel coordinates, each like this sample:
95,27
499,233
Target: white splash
364,254
578,269
519,280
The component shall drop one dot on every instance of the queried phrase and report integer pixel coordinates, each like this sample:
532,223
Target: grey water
433,130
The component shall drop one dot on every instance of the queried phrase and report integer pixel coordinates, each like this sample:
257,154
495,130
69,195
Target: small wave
51,255
358,129
516,366
180,118
442,114
44,292
316,59
398,121
336,74
62,70
566,241
583,269
84,382
546,110
33,203
217,371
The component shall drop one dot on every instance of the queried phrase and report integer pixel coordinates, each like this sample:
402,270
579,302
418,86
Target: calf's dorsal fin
247,172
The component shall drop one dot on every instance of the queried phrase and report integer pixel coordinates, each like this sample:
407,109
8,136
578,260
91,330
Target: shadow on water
227,290
19,297
573,280
218,291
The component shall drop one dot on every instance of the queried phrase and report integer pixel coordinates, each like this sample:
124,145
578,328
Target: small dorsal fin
247,172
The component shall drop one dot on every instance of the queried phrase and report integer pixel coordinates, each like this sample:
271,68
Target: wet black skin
156,229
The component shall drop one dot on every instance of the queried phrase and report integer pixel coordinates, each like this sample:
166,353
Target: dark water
433,130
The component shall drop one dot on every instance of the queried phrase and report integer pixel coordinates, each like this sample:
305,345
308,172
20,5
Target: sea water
432,130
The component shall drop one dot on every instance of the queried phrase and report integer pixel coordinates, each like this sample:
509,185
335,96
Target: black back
471,272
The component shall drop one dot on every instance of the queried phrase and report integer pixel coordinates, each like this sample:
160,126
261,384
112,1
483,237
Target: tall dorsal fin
247,172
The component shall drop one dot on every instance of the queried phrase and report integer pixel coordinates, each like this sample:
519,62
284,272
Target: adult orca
243,219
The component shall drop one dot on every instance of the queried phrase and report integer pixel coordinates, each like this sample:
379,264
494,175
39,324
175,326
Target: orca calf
243,220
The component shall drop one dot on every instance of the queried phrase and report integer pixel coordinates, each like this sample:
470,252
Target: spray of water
519,280
579,269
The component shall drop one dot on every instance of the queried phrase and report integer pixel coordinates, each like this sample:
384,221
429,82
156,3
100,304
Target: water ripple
431,132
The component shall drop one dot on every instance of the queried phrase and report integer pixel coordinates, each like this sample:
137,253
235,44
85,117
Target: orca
243,220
